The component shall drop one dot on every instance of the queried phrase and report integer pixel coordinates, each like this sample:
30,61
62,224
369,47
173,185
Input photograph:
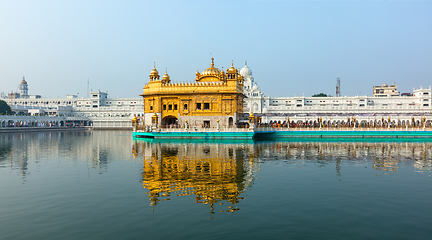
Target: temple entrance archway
169,120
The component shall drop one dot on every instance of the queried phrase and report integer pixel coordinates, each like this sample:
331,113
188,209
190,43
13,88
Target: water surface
105,185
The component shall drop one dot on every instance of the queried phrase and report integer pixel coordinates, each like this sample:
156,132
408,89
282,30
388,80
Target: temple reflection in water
212,172
216,172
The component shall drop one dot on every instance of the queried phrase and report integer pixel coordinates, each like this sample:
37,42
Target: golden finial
197,74
245,63
232,63
212,63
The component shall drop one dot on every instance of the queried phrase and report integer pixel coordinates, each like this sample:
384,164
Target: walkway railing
351,128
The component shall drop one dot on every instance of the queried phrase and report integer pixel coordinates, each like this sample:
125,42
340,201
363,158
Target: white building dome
246,72
255,87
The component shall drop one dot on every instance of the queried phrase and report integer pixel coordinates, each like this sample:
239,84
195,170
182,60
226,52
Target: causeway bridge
19,121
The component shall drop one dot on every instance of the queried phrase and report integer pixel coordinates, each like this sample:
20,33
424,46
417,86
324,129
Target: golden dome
232,69
211,71
154,74
154,71
166,77
23,81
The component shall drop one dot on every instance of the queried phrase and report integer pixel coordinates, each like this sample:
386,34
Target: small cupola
154,74
166,77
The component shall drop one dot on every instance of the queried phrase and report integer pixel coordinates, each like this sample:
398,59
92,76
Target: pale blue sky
292,47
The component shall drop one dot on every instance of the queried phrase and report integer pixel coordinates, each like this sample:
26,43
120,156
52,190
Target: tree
320,95
5,108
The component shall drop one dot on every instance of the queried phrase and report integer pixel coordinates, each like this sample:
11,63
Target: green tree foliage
320,95
4,108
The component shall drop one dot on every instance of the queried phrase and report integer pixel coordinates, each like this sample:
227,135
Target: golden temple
216,97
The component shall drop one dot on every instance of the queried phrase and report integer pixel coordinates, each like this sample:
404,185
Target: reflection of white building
384,102
97,148
385,156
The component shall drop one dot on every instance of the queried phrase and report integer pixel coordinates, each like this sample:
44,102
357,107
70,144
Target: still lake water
105,185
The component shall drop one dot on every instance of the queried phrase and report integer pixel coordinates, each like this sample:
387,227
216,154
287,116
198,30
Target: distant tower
23,87
338,87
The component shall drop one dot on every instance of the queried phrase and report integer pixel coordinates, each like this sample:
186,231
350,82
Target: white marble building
99,110
333,109
254,101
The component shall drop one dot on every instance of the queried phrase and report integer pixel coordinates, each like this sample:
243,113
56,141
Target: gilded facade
216,97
